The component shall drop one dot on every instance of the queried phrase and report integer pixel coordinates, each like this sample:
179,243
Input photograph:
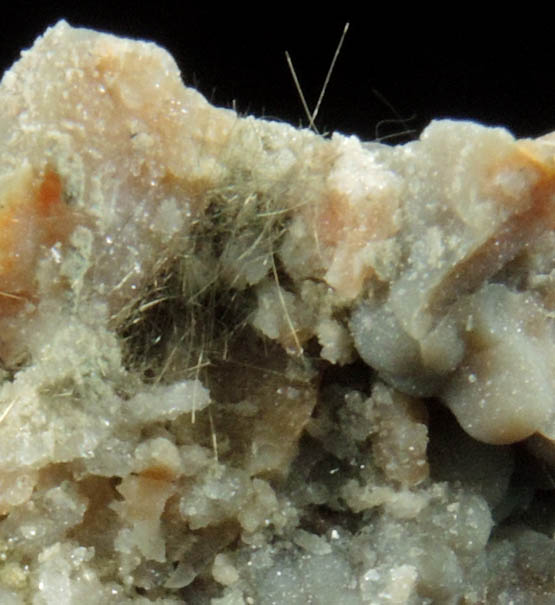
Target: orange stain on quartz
49,195
33,215
344,227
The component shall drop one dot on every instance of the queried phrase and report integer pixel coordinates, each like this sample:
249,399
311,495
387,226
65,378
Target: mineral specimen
231,351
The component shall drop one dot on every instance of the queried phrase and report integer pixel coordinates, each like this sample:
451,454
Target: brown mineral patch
266,406
158,473
98,527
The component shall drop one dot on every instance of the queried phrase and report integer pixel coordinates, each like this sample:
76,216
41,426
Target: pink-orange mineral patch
33,215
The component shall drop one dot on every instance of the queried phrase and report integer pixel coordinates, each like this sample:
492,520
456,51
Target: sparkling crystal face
246,363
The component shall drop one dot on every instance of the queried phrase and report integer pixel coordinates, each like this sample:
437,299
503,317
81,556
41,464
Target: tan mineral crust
244,364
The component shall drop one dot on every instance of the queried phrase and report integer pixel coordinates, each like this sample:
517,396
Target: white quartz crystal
242,363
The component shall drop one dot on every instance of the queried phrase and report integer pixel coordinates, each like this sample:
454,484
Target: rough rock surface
244,364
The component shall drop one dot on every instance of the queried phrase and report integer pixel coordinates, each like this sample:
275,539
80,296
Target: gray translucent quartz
187,298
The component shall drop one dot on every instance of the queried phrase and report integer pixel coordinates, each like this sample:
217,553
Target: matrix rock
241,363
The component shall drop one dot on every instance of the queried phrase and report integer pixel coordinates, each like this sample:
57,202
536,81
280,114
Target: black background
397,70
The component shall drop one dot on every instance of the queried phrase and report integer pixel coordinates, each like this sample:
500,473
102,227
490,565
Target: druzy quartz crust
244,363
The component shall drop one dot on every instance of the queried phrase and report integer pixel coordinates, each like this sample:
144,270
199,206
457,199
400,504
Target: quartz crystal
243,363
